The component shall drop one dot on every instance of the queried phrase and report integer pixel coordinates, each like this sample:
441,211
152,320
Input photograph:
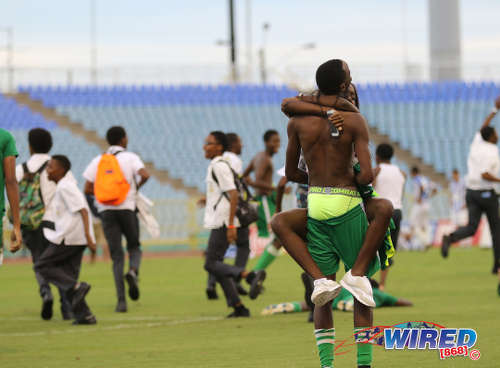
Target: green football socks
267,257
325,339
365,349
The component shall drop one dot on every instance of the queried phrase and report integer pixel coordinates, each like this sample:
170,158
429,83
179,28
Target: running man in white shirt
389,184
67,228
121,219
457,202
40,144
483,176
232,155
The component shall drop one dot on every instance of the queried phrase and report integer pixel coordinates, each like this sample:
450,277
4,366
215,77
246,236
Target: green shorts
266,210
338,238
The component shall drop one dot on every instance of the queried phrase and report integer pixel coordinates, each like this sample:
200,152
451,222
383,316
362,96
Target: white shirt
218,216
47,187
422,188
63,211
390,184
130,164
234,160
483,157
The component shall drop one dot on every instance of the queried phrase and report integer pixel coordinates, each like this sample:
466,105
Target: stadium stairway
91,136
408,158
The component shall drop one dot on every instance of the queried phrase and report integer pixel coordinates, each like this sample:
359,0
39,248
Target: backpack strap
40,170
224,194
25,168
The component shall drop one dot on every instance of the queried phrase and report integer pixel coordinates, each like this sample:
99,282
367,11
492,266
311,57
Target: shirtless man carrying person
336,221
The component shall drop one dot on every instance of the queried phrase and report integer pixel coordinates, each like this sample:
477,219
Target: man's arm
86,226
233,202
248,170
361,140
487,176
144,174
492,114
279,193
89,188
292,171
9,169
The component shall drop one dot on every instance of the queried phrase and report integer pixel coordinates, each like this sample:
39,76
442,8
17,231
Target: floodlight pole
234,70
93,42
9,56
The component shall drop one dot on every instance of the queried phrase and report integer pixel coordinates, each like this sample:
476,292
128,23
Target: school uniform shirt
483,158
130,164
217,205
234,160
63,213
390,184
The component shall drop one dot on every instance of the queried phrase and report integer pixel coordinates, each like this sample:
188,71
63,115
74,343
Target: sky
179,37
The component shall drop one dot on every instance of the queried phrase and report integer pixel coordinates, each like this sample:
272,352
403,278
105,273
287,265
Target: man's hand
337,120
16,240
497,102
202,202
91,244
231,235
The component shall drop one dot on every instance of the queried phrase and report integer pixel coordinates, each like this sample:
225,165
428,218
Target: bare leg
379,213
291,228
383,278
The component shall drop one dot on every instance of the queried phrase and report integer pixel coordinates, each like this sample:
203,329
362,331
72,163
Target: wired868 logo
450,342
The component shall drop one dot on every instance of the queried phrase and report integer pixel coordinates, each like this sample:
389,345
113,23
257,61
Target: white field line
122,326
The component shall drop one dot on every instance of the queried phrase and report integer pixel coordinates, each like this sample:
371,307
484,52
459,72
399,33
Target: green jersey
7,148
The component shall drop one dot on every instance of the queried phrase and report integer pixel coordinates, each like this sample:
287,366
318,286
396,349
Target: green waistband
334,191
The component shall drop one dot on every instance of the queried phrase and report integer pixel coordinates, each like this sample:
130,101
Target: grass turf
174,325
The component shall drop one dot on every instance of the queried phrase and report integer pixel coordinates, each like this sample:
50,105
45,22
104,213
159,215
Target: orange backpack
110,186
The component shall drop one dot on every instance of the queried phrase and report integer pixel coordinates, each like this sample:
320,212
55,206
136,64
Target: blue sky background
55,33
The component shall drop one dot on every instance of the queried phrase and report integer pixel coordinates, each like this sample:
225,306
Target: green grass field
174,325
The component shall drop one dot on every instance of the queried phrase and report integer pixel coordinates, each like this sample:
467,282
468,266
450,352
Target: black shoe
310,318
239,311
121,307
79,294
241,289
445,246
309,287
89,320
66,314
364,366
133,287
211,293
47,303
255,279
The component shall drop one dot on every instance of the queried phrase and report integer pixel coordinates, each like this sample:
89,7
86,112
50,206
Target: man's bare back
329,160
262,165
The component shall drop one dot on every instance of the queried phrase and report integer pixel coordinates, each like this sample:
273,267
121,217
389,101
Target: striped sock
325,339
365,349
267,257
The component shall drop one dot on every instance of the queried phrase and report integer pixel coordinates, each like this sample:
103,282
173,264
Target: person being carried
337,224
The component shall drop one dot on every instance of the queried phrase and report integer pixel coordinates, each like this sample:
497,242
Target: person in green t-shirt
8,154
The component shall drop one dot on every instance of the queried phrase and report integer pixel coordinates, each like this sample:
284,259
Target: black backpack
246,209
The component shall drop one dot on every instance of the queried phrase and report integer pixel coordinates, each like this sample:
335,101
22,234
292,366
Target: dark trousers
242,253
397,215
60,265
116,223
479,202
36,243
214,264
